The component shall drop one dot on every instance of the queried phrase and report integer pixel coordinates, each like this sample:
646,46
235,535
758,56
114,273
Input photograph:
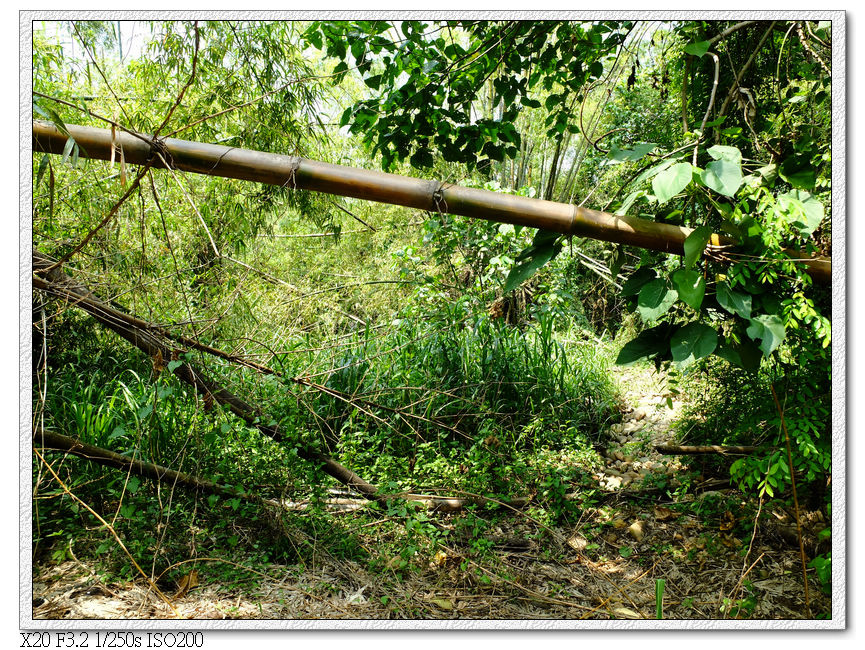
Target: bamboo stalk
429,195
672,450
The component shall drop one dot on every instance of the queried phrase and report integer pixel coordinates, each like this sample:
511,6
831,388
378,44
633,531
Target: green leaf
67,149
723,152
534,258
729,353
629,155
629,201
697,49
638,278
618,261
671,181
798,171
174,365
655,300
723,176
734,302
652,171
648,343
695,244
43,165
801,210
769,329
691,287
692,342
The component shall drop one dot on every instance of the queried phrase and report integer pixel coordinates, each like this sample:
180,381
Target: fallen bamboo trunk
430,195
47,439
672,450
53,281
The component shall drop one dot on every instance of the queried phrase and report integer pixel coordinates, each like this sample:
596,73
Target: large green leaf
723,176
798,171
801,210
769,330
627,155
655,299
734,302
648,343
697,49
691,287
723,152
695,244
544,248
693,341
671,181
636,281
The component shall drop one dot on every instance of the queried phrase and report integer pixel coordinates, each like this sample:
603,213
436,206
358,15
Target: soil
604,567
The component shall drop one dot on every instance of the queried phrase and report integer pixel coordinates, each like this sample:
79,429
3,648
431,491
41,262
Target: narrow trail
651,410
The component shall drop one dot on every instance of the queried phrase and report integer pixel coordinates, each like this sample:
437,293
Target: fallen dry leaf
664,514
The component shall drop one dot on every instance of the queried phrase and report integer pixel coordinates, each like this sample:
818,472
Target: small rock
612,482
639,413
619,455
636,530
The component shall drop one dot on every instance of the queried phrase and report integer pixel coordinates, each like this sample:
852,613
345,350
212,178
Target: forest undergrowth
323,407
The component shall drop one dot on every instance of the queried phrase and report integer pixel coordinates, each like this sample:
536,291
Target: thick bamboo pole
429,195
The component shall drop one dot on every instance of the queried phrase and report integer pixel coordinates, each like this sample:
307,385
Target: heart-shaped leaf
802,210
695,244
534,257
697,49
723,176
655,299
638,278
693,341
648,343
671,181
691,287
769,330
723,152
734,302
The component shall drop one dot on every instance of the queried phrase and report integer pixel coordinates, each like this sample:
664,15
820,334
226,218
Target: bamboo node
293,166
438,198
